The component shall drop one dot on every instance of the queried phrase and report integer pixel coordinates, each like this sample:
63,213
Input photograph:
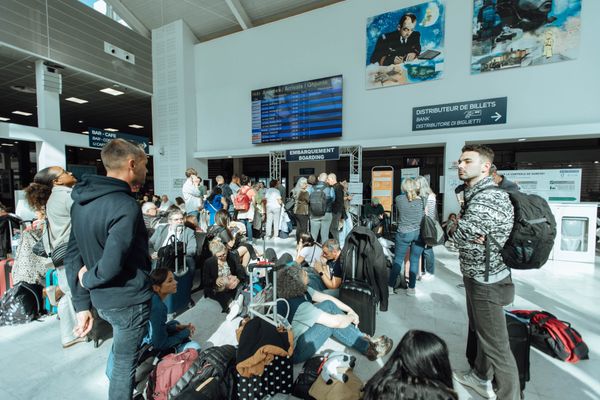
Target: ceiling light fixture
394,147
76,100
26,114
8,144
135,126
111,129
596,162
4,119
522,140
112,91
80,121
84,132
570,165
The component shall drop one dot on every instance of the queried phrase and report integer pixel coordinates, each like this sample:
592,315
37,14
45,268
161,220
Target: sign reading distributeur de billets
99,137
319,154
459,115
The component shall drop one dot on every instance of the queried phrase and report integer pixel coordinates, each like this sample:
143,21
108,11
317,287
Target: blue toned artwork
512,34
406,46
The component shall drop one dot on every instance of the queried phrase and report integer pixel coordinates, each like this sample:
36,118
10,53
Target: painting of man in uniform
520,33
406,45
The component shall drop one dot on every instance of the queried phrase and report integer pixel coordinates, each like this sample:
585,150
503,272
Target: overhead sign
319,154
555,185
99,137
459,115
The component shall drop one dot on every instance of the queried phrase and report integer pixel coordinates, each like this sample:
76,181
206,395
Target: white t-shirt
311,254
272,197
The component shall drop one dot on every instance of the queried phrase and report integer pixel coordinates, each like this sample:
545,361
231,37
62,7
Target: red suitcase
6,281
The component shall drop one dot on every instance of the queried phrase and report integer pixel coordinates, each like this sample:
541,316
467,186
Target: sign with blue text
99,137
460,115
319,154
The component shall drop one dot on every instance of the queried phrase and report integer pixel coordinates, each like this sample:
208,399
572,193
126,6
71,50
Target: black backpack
21,304
534,230
318,201
431,231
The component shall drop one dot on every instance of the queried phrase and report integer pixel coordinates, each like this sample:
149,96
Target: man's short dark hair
483,150
190,171
244,180
117,151
412,17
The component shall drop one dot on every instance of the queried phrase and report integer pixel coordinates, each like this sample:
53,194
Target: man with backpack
485,225
320,201
226,192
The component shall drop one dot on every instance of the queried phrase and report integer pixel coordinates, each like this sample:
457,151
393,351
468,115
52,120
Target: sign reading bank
318,154
99,137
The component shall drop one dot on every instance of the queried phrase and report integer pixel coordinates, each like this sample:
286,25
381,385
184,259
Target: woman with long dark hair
418,369
231,234
50,191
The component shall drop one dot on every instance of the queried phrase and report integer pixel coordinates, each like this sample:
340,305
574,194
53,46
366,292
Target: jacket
109,237
370,262
161,334
302,198
58,213
160,235
487,212
259,343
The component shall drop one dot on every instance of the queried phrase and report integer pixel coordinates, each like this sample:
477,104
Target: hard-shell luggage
179,301
51,280
6,281
359,296
101,330
520,344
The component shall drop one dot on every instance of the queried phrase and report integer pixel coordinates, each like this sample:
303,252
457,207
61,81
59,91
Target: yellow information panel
383,186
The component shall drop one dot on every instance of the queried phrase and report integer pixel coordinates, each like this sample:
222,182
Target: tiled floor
34,366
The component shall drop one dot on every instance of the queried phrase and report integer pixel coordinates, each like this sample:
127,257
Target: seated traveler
308,250
419,368
328,271
312,324
232,234
163,236
222,278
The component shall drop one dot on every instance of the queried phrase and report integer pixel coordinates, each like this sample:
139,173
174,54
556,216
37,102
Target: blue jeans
129,328
429,260
310,341
248,224
403,242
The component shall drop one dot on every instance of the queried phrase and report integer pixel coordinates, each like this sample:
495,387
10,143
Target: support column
48,86
238,166
452,152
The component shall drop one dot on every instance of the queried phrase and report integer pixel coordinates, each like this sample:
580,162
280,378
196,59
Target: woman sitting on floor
418,369
165,335
222,278
313,324
231,234
309,251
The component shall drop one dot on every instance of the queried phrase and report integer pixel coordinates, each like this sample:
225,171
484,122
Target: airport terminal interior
381,94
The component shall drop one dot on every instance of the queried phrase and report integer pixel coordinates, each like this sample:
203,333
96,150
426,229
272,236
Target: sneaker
427,277
410,292
483,387
379,347
235,308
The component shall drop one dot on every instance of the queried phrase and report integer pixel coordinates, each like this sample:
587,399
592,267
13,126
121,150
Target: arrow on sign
496,117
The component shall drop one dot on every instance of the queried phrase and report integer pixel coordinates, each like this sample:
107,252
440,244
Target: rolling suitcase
178,302
6,281
359,296
520,345
51,280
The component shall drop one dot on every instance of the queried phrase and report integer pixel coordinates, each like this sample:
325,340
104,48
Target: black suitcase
520,344
360,297
101,330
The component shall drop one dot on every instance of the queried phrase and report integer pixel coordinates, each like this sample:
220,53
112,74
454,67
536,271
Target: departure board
299,111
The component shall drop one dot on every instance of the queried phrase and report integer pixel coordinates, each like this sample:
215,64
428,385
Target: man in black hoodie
107,258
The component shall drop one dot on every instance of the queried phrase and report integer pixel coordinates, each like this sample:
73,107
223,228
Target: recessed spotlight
112,91
98,159
596,162
570,165
8,144
26,114
111,129
4,119
529,163
394,147
135,126
80,121
76,100
84,132
522,140
229,156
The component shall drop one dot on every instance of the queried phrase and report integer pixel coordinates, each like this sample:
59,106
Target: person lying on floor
164,335
312,324
222,277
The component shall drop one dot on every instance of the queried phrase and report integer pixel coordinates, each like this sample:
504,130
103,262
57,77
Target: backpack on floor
533,233
241,201
167,372
318,201
553,336
21,304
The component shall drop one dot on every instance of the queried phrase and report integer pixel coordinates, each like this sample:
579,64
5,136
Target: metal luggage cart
263,304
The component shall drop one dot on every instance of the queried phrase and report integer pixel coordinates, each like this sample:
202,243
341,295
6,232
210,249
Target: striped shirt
410,213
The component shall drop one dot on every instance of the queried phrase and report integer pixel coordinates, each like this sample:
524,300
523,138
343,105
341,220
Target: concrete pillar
452,152
238,166
48,86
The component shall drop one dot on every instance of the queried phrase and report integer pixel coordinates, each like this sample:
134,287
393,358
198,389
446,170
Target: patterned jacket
488,212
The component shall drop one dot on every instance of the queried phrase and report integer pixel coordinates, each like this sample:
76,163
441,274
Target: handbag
38,248
57,254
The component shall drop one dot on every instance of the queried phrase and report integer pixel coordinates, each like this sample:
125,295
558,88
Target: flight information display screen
299,111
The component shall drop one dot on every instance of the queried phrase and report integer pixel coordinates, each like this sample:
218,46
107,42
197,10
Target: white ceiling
209,19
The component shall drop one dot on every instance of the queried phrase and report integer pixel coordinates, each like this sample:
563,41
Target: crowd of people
114,265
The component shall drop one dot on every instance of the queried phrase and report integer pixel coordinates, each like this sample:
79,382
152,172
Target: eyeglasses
64,171
222,255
